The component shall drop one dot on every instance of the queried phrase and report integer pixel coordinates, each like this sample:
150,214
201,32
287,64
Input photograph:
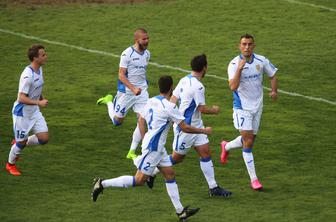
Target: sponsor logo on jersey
136,59
140,67
36,80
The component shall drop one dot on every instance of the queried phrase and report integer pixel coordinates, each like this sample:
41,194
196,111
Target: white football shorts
124,101
247,120
23,125
149,160
184,141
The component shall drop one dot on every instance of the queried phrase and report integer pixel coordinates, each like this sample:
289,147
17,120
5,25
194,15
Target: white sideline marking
151,63
312,5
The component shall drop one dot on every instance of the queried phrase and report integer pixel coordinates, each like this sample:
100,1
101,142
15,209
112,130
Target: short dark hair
198,63
165,84
246,36
33,51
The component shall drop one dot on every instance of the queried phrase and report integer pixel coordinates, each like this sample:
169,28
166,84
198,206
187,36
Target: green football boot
131,155
105,99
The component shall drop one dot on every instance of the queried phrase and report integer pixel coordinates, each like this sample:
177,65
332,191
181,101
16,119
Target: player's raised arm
235,81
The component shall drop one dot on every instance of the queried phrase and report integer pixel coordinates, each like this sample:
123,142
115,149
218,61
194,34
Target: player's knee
170,175
176,158
248,141
139,181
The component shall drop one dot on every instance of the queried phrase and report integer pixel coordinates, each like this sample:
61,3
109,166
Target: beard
143,46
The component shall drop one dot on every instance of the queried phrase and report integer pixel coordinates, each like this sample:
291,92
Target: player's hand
136,91
43,102
241,63
208,130
215,109
273,95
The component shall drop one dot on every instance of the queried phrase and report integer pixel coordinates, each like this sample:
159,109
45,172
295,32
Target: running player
190,94
245,79
26,112
158,113
132,85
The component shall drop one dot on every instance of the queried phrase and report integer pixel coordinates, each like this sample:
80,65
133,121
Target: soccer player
245,80
158,113
190,94
26,112
132,85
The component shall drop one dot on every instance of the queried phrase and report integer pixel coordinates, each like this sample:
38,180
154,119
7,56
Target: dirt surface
62,2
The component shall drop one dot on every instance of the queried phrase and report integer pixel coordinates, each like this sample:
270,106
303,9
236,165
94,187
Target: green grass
294,152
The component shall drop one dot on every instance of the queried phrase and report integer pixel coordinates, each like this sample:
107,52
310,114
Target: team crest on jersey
258,68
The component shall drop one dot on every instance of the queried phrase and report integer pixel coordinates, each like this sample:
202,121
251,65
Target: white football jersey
31,84
158,113
190,93
136,65
249,95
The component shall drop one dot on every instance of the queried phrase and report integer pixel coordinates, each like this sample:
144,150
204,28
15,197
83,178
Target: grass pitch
294,151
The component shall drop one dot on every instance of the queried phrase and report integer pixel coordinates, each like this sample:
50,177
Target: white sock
236,143
249,162
172,190
208,171
13,154
123,181
110,109
136,138
33,140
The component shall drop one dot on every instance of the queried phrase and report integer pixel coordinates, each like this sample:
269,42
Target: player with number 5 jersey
159,113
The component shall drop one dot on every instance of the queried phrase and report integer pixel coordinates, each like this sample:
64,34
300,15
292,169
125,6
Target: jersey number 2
150,119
